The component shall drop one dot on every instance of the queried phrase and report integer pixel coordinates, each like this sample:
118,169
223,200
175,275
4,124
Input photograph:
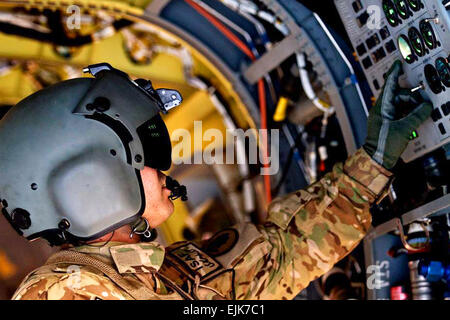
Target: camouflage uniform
306,233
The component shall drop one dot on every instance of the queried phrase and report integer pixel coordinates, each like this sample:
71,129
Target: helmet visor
156,143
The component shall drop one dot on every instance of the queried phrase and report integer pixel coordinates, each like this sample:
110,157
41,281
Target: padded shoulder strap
135,289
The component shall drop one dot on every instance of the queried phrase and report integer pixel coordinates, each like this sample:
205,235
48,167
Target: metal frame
433,208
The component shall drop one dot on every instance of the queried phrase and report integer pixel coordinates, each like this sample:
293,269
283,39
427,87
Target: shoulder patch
247,236
138,258
222,242
193,261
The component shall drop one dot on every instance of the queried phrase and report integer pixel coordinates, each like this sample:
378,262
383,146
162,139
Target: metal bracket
169,98
272,59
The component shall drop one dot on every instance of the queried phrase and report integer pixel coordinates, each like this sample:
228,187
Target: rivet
138,158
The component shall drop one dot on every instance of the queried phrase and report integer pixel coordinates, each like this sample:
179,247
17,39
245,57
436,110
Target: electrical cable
245,35
291,140
230,35
261,90
307,86
251,8
102,245
287,165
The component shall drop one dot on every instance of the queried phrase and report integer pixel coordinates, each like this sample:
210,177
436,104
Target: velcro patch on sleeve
229,245
193,261
138,258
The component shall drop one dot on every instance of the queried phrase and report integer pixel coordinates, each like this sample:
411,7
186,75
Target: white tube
248,196
267,16
307,86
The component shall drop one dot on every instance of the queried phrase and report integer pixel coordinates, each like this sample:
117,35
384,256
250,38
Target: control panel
417,32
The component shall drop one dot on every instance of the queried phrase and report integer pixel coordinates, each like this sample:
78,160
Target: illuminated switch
378,55
373,41
367,63
390,46
436,115
442,129
446,109
361,49
357,5
384,33
414,135
376,84
362,19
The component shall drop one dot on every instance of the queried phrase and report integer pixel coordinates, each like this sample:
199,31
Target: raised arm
308,231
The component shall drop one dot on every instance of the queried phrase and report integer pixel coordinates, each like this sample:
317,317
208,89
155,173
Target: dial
402,8
414,5
416,42
433,79
405,49
443,70
390,12
426,29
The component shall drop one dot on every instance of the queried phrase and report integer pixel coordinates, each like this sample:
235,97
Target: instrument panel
418,33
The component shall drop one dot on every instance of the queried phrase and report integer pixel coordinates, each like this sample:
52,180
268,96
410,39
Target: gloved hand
388,134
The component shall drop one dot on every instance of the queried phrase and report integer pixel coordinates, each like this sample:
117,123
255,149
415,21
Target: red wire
230,35
261,90
262,110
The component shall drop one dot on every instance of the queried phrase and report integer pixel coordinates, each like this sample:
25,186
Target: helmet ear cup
85,191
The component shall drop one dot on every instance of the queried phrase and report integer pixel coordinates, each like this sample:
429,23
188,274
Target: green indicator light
414,4
413,135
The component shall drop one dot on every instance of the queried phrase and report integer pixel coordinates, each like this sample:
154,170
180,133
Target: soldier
80,165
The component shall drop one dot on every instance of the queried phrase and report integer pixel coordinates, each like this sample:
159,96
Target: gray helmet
71,155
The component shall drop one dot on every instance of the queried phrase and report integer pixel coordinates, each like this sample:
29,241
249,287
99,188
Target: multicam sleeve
308,231
74,286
